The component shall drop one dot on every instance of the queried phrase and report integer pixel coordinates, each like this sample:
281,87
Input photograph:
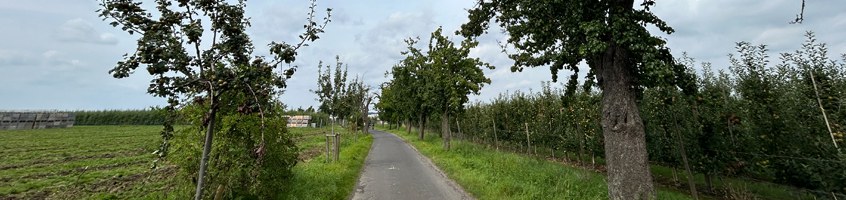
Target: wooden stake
495,138
528,141
337,147
328,153
825,117
458,126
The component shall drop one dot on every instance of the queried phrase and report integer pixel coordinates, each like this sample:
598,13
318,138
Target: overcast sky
55,54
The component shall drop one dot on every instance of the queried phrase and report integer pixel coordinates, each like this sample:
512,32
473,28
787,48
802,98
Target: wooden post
528,141
825,117
495,138
485,136
458,125
551,130
328,153
680,142
337,146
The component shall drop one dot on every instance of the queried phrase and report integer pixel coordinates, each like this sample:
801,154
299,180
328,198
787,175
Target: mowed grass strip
316,179
44,162
490,174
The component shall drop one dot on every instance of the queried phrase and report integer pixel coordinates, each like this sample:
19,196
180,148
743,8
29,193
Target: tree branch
801,16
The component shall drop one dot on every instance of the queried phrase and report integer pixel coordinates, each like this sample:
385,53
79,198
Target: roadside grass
113,162
316,179
490,174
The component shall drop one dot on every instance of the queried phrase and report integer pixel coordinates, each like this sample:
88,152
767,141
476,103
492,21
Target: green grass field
489,174
79,162
101,162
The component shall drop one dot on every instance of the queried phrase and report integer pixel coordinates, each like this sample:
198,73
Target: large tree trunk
625,144
408,126
445,129
422,125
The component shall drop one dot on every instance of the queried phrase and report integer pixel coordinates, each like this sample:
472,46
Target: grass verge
490,174
316,179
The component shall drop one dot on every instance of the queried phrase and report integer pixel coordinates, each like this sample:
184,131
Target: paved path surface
394,170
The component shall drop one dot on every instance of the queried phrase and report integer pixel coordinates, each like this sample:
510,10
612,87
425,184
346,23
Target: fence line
817,192
520,133
790,157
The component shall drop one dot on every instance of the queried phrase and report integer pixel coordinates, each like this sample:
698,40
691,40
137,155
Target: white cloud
368,35
517,84
80,31
15,58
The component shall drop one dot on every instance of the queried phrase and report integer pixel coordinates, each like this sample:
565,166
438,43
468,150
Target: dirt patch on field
122,183
308,154
307,136
73,172
11,151
113,185
29,195
41,162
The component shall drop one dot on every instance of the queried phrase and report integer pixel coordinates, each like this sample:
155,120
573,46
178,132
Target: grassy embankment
490,174
86,162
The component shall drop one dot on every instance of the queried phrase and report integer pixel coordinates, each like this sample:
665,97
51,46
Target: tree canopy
219,85
435,82
624,57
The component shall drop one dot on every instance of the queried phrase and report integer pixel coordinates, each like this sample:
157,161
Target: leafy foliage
563,123
219,86
154,116
402,97
624,57
756,120
330,90
346,100
434,82
243,167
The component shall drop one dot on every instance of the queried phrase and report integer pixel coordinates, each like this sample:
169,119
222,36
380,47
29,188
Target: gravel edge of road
428,162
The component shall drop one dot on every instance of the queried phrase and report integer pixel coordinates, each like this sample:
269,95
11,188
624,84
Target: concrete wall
35,120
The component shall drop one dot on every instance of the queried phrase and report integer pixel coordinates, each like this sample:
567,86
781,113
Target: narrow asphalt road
393,170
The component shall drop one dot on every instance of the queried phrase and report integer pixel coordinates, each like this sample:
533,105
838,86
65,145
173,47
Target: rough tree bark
408,126
422,126
625,143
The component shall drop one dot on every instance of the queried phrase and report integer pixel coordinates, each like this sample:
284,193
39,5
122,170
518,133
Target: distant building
298,121
35,120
